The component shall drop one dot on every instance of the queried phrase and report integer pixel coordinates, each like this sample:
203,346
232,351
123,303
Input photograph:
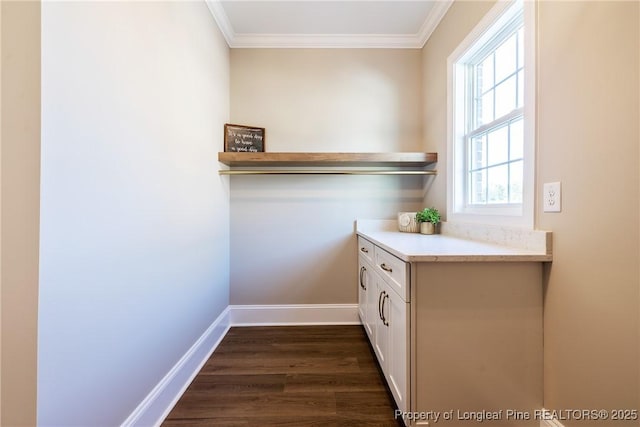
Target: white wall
292,238
135,219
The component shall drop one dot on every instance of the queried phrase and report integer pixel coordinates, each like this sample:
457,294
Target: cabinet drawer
365,248
394,271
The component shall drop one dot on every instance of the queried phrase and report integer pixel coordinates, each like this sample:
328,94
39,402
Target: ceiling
327,23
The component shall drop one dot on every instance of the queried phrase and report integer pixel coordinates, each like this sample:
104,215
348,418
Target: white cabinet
396,318
381,332
394,271
362,292
366,295
383,308
391,343
366,250
463,335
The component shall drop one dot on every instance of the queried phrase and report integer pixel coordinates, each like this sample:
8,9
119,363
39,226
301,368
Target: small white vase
427,228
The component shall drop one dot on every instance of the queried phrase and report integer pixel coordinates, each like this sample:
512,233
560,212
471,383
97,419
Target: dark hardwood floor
288,376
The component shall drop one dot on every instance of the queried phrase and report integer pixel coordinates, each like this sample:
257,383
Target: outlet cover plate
552,197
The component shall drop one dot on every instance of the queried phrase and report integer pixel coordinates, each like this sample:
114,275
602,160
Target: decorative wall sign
239,138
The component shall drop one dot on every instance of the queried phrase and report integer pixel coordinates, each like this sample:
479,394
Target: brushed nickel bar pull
323,172
385,268
384,318
362,271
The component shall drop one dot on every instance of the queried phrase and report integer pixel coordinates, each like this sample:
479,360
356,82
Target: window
491,136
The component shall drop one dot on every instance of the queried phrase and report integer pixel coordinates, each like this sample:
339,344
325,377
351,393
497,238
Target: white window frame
521,214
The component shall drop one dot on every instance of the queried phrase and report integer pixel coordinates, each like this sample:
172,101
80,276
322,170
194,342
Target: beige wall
588,137
329,99
457,23
292,237
0,214
20,209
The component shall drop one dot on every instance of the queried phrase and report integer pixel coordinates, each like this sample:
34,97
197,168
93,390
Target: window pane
493,92
477,186
516,139
506,97
516,178
485,74
485,109
498,146
520,89
478,152
497,184
506,58
521,47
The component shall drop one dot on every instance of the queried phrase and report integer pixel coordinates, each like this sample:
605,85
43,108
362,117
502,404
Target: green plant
428,215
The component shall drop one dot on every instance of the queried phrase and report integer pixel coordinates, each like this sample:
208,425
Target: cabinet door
371,306
364,283
395,321
367,309
362,293
394,271
381,331
366,249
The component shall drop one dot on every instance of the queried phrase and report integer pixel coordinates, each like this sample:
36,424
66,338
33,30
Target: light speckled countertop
415,247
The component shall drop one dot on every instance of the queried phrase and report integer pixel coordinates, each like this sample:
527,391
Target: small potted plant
428,219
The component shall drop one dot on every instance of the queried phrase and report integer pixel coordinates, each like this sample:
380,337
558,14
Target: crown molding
219,15
324,41
436,14
333,41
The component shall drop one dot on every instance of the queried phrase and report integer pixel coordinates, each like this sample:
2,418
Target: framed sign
238,138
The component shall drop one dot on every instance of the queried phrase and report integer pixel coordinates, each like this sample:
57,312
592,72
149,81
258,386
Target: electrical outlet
552,197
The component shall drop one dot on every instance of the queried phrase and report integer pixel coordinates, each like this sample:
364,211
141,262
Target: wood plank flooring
288,376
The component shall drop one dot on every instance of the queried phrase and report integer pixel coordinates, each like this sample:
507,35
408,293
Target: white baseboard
294,314
161,400
549,421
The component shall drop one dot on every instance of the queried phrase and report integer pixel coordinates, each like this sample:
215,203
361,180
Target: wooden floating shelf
416,161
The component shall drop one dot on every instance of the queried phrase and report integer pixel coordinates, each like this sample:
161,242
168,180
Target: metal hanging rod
323,172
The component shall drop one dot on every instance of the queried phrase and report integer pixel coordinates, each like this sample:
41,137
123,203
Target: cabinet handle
384,318
380,304
362,271
365,250
385,268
